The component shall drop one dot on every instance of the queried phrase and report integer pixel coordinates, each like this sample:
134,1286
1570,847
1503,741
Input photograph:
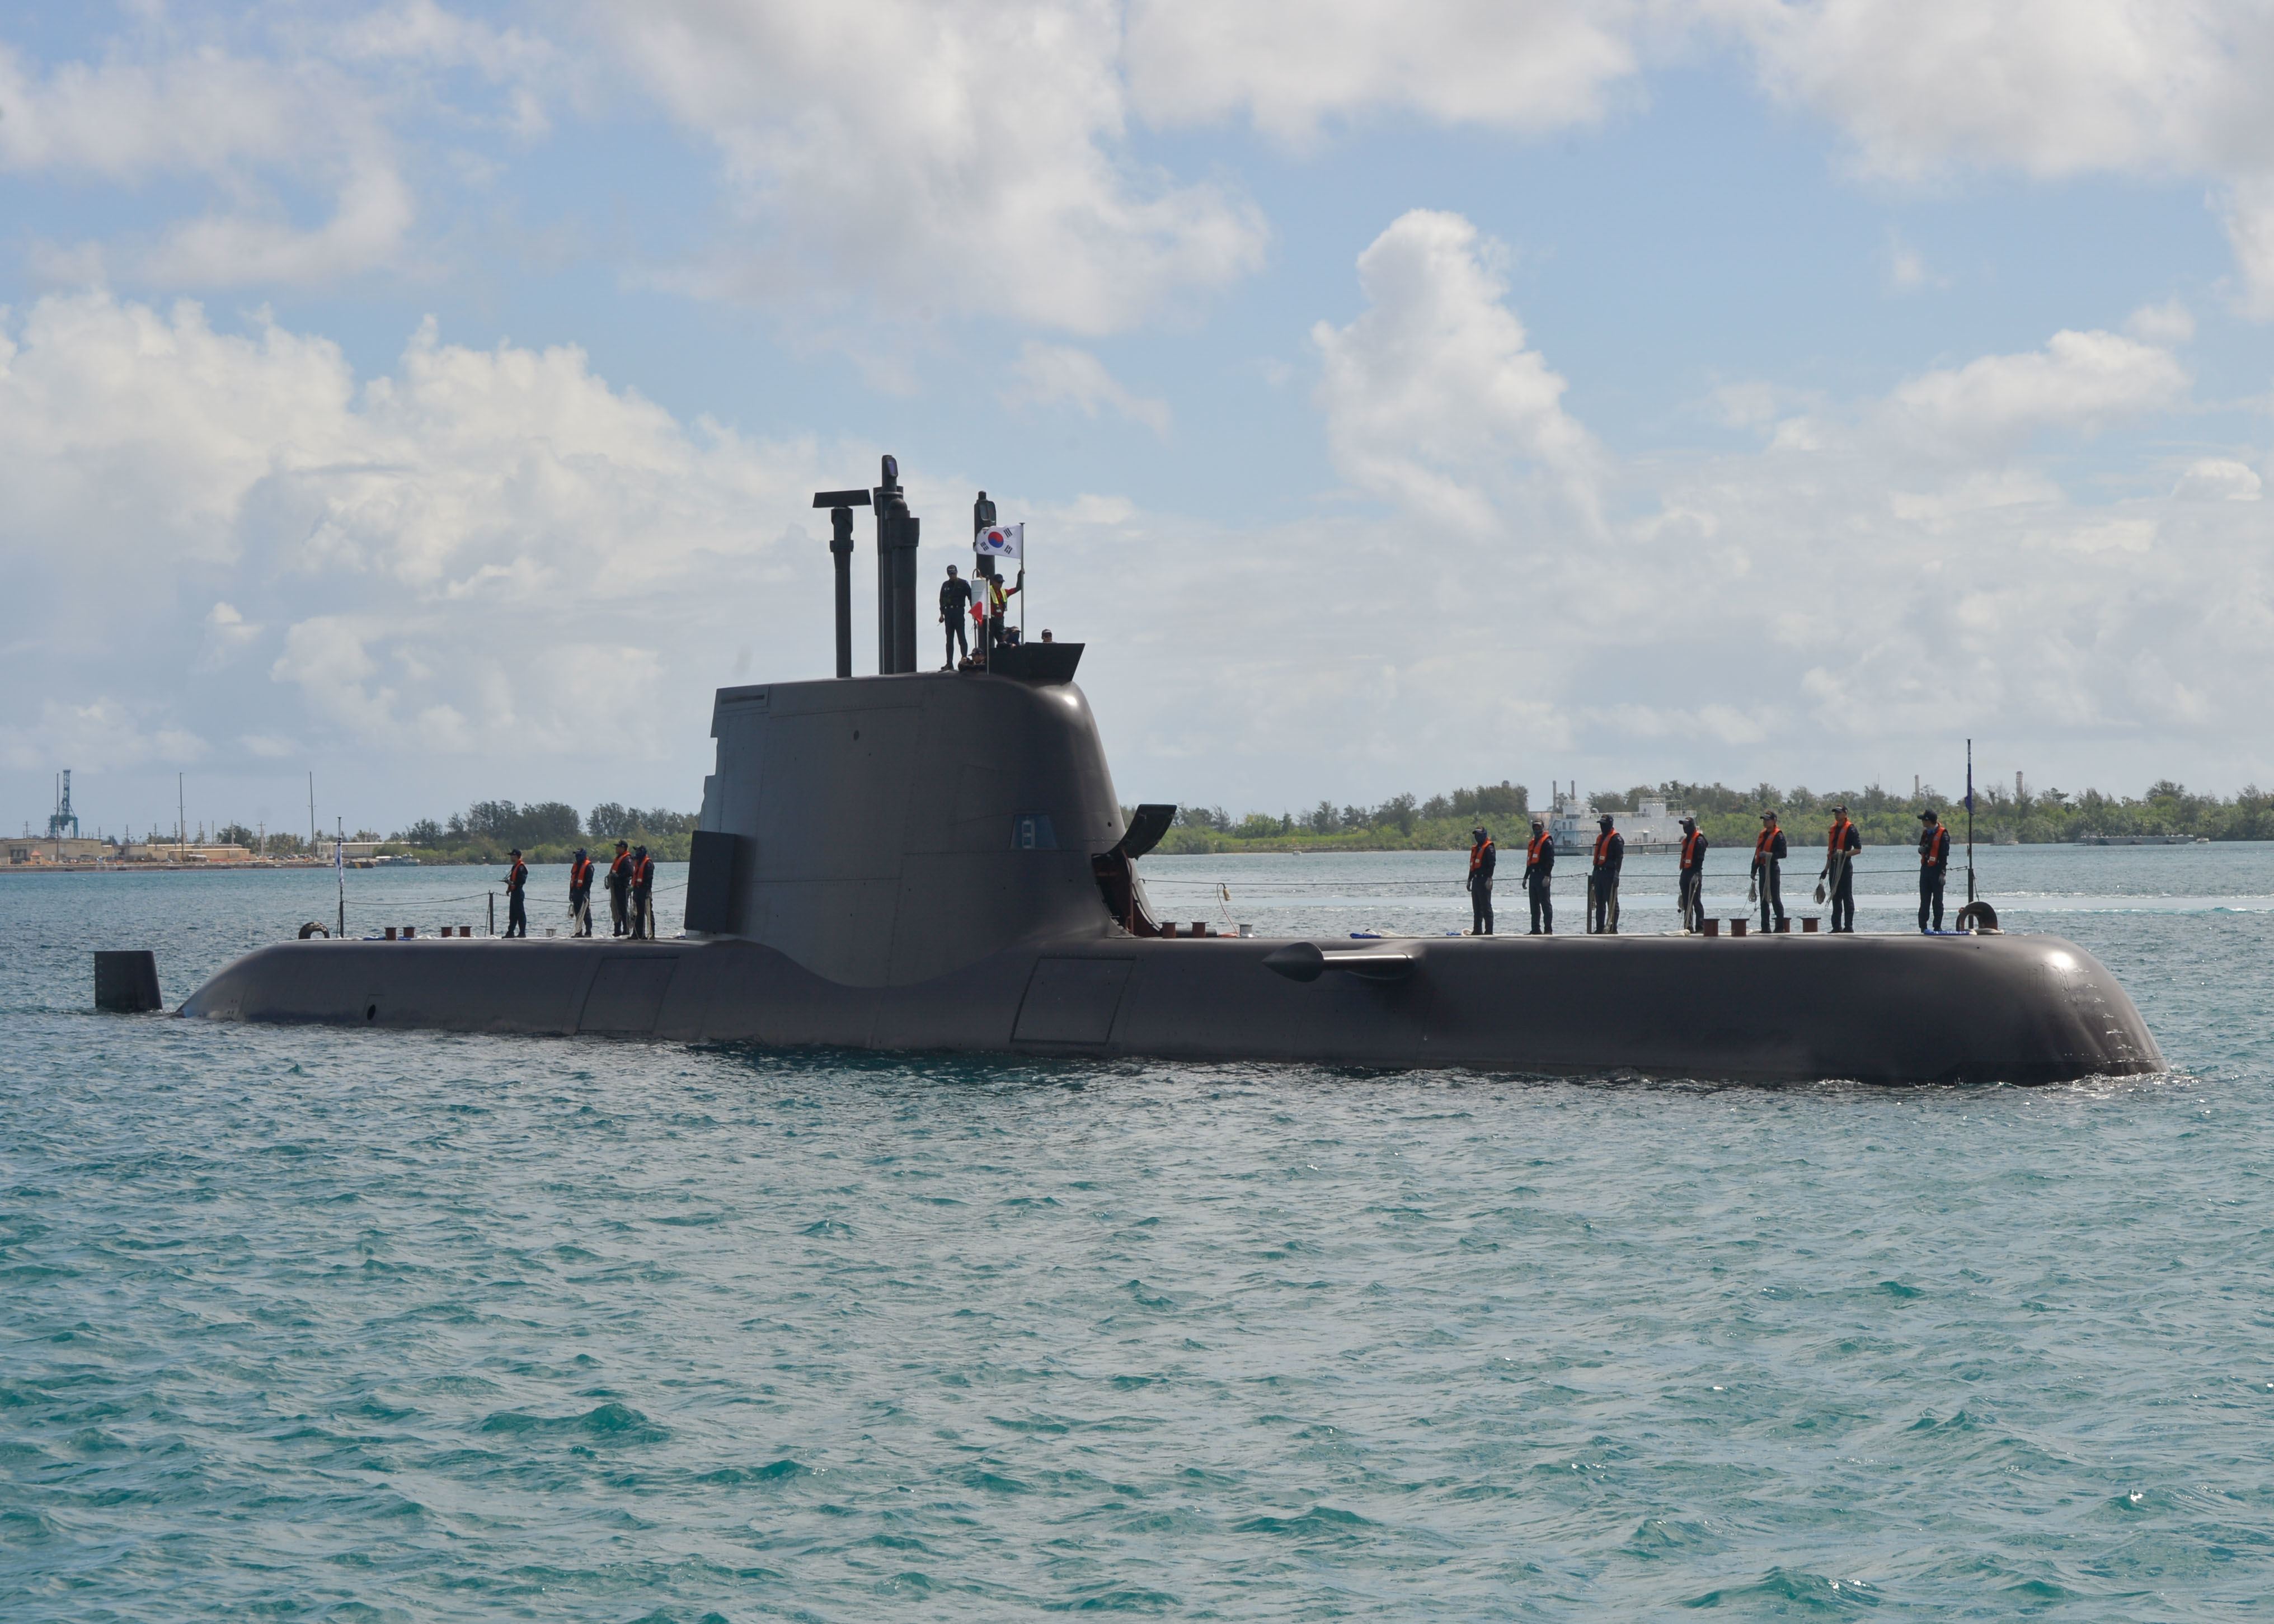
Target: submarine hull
1892,1009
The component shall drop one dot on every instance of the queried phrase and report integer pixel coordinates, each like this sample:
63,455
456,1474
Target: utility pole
181,817
312,811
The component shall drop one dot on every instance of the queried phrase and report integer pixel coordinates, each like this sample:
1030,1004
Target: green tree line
1732,817
546,832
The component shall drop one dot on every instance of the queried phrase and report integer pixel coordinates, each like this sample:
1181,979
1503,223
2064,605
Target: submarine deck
1885,1008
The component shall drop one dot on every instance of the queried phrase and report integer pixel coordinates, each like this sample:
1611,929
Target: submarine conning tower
885,831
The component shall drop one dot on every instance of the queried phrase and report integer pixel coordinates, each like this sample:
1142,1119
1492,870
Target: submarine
861,878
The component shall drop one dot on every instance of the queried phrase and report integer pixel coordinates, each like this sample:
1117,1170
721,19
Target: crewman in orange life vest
1603,878
642,895
1768,858
1539,875
1481,858
620,881
1692,884
580,893
1840,848
1934,864
517,906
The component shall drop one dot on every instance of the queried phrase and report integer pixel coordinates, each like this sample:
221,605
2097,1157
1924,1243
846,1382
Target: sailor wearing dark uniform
642,895
1840,870
1539,876
1691,897
1934,863
620,881
517,900
1603,877
580,893
954,604
1768,871
1481,857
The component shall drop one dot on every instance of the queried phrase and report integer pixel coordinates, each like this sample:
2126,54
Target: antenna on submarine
840,504
1969,823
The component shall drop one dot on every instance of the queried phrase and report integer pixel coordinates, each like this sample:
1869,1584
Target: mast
1969,821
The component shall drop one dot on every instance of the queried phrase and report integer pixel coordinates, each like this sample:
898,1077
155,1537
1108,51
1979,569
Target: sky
1398,396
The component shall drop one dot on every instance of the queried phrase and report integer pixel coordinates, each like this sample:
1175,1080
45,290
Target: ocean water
303,1324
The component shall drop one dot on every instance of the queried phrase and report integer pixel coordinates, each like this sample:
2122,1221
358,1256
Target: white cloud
2080,381
2168,323
492,553
1054,374
97,735
1518,64
228,633
2218,479
1433,397
274,140
2049,88
1907,267
957,156
2248,207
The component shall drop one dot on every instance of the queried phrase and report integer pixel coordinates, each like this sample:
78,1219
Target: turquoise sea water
301,1324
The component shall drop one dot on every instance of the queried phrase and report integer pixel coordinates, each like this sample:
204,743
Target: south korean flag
1002,541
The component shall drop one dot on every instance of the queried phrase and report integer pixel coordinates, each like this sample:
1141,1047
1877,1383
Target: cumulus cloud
1433,396
482,554
2079,380
1520,65
877,144
2217,479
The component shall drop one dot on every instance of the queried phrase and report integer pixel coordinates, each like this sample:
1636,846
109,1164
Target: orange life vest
1532,847
1836,842
1477,854
1693,848
519,876
1603,845
580,874
643,871
621,868
1767,840
1936,847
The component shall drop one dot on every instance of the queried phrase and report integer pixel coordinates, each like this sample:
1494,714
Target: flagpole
1969,821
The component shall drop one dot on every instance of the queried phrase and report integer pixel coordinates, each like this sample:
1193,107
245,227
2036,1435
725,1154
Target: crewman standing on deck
620,882
1539,876
580,893
642,895
955,603
516,896
1840,848
1934,864
1691,894
1768,868
1603,878
1481,858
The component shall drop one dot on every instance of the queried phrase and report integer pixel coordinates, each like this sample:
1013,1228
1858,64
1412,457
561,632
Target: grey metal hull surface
1765,1009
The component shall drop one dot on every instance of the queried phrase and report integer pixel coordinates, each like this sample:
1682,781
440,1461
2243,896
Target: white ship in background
1650,827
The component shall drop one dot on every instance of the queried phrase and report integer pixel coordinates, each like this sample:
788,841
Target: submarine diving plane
859,881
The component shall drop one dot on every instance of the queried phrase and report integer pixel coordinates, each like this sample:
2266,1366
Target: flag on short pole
1002,541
